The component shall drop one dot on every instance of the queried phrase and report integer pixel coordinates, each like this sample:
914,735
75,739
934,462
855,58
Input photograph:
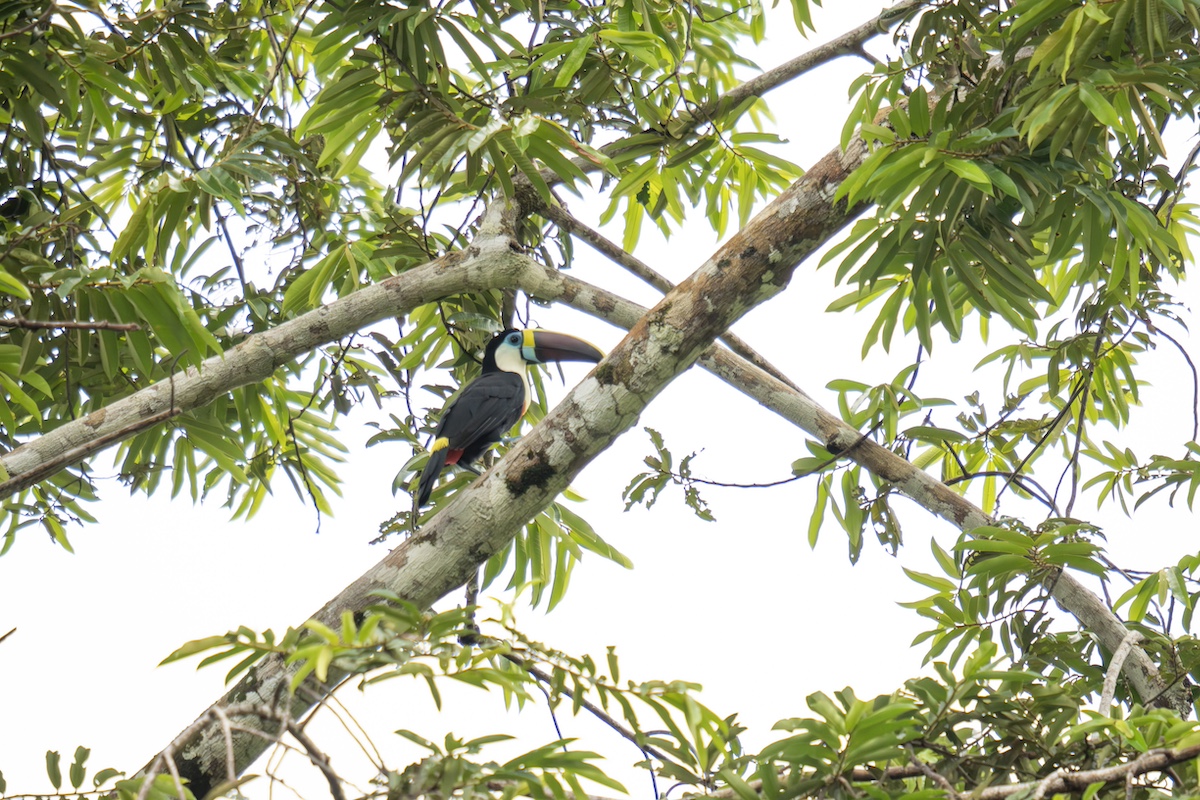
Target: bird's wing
486,409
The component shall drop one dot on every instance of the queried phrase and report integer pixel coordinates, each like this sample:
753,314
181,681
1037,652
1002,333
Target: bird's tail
429,475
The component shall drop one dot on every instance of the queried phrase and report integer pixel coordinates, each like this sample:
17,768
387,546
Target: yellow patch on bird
439,444
529,342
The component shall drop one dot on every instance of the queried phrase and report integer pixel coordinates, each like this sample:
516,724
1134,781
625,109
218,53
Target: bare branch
98,325
490,264
1195,381
931,774
842,439
1063,780
754,265
319,760
606,247
848,44
41,20
1114,670
591,707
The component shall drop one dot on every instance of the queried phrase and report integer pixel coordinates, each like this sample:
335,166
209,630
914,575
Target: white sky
742,606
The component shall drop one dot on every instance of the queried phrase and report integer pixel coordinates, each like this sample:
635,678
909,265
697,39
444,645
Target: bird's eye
514,338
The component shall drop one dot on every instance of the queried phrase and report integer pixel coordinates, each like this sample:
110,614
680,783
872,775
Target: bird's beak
542,346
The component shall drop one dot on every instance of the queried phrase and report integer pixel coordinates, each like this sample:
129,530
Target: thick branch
1154,761
753,265
839,438
489,264
615,253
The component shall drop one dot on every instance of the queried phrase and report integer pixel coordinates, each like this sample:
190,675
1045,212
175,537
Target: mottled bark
489,264
752,266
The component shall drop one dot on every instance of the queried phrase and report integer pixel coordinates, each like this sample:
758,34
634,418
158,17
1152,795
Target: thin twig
1022,482
1066,409
222,223
592,708
37,23
848,44
359,735
931,774
1180,186
1084,399
319,760
98,325
1195,381
601,244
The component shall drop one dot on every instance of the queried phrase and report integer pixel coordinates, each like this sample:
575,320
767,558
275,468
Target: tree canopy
205,269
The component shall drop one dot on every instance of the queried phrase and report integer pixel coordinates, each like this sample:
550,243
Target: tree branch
606,247
99,325
489,264
754,265
1063,781
318,759
1059,781
842,439
595,710
848,44
41,20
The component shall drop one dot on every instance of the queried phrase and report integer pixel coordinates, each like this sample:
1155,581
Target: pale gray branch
1068,781
849,43
489,264
754,265
1061,780
617,254
840,438
1114,670
68,325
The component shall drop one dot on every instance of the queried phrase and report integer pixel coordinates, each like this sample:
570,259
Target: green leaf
642,45
1099,107
100,778
53,771
970,171
78,772
12,286
572,62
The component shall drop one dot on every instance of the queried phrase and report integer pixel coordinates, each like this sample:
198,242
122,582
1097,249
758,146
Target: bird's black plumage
478,418
494,402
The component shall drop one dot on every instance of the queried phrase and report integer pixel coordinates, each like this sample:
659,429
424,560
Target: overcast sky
742,605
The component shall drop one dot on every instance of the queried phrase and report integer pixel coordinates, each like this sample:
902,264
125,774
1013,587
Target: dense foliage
179,177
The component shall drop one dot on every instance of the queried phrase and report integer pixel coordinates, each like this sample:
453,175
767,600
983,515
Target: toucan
492,403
